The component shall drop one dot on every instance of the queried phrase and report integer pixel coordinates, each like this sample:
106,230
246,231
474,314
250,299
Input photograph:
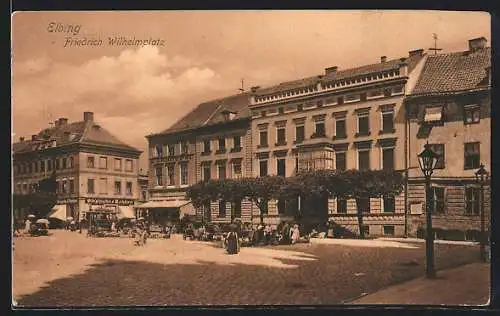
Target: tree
40,202
261,190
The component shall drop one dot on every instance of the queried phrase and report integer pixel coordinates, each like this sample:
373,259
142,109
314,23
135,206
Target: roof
454,72
210,113
83,132
342,74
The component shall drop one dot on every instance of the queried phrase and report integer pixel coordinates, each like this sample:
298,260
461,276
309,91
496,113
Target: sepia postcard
250,158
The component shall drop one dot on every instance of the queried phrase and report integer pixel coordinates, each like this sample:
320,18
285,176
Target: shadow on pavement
337,275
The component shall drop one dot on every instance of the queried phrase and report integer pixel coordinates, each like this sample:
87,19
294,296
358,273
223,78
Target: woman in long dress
232,242
295,234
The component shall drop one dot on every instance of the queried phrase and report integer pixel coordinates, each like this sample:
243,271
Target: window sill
318,136
392,131
206,153
262,146
298,141
236,149
220,151
362,134
280,144
337,137
468,168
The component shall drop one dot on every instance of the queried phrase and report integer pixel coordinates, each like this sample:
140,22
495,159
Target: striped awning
163,204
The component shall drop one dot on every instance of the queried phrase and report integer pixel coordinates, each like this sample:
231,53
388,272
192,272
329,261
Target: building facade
450,109
343,119
92,167
212,142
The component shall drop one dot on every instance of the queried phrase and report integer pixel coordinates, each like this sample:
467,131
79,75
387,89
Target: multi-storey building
142,186
450,109
211,142
93,168
343,119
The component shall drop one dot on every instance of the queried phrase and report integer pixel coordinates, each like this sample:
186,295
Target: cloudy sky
135,91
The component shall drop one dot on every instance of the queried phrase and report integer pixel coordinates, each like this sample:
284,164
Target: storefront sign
67,201
96,201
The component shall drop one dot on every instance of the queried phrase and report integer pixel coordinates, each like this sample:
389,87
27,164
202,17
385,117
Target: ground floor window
281,206
222,208
363,205
341,206
472,201
389,204
236,209
389,230
438,201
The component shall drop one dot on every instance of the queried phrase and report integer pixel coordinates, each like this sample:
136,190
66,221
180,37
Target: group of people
140,232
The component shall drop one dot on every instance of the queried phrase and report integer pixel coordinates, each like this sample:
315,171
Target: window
472,114
118,187
222,171
341,206
281,139
64,163
340,128
71,186
471,155
433,114
118,164
389,204
25,188
363,159
281,167
236,209
158,176
222,208
363,125
128,165
71,162
387,92
90,186
389,230
64,186
281,206
320,129
237,168
90,163
299,134
158,151
263,138
263,168
340,160
340,100
35,164
42,166
472,201
144,195
128,188
207,172
319,103
388,121
222,144
236,142
439,150
363,96
206,146
300,108
57,165
103,163
184,174
171,149
437,200
281,110
103,186
49,166
363,205
388,158
170,175
184,148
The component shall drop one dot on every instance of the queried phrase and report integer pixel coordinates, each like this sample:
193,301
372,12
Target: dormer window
228,115
158,151
433,114
171,150
184,148
472,114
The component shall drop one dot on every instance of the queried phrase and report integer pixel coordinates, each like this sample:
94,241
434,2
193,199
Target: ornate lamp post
482,177
427,160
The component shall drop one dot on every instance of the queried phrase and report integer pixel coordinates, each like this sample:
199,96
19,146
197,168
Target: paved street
69,269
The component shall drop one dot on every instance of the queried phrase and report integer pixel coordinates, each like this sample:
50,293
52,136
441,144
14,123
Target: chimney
34,137
21,139
88,116
477,44
383,59
331,70
254,89
416,52
63,121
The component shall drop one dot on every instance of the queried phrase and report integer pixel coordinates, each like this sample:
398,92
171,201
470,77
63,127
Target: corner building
342,119
93,168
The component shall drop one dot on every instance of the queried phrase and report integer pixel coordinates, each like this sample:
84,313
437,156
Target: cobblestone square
69,269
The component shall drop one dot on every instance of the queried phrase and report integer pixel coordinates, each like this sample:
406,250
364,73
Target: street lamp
427,160
482,177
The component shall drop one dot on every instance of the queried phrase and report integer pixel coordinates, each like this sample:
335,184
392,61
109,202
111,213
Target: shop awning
163,204
433,114
59,212
187,209
125,212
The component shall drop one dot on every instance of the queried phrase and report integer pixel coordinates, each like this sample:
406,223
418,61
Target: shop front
164,212
121,208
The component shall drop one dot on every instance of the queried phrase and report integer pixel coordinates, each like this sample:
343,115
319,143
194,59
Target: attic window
433,114
229,116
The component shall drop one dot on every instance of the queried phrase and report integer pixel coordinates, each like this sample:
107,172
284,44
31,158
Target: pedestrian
232,242
27,225
295,234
